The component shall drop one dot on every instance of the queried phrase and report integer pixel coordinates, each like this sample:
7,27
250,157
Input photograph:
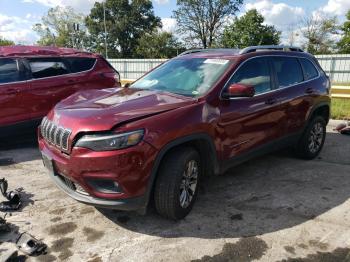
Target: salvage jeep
197,114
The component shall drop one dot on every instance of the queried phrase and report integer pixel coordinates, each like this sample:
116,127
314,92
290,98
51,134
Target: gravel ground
274,208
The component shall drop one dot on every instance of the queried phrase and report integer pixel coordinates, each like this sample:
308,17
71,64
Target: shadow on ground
16,149
263,195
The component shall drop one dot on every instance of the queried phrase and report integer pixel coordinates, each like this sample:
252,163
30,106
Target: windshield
190,77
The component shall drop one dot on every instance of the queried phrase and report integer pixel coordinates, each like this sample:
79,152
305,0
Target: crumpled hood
100,110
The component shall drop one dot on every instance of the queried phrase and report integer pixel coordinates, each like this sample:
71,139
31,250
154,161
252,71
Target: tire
312,140
173,183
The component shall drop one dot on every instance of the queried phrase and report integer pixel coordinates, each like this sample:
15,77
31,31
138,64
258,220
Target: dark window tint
80,64
47,67
310,71
254,72
288,71
9,71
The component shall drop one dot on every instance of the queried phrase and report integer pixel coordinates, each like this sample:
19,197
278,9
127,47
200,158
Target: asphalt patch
92,234
237,217
62,229
123,219
290,249
63,246
339,254
246,249
57,211
56,219
6,161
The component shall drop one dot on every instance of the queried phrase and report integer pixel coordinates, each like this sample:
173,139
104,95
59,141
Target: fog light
105,186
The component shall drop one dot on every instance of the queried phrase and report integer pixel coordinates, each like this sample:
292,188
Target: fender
167,148
313,109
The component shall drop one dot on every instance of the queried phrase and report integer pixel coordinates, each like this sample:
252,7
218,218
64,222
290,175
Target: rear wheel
312,140
177,183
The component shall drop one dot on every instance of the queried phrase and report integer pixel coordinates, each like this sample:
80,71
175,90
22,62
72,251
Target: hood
101,110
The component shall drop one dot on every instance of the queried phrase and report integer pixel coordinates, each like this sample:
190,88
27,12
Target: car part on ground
30,245
343,128
13,197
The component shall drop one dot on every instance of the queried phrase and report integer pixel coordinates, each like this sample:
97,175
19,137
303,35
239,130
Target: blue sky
18,16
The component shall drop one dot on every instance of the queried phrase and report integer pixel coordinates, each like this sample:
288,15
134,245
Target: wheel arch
321,109
202,142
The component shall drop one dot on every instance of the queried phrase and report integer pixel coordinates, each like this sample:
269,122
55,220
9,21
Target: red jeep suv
33,79
197,114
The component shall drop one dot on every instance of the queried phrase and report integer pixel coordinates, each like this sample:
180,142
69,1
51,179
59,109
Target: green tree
344,43
319,31
250,30
158,45
126,22
62,27
5,42
201,20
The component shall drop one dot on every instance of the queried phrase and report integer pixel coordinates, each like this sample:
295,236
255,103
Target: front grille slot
54,134
73,186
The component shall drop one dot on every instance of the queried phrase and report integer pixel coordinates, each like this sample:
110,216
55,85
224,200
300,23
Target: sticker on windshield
216,61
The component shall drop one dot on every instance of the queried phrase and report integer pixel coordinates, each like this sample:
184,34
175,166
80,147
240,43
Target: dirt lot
274,208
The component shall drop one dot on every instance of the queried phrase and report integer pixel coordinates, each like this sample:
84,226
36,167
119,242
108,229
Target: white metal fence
336,66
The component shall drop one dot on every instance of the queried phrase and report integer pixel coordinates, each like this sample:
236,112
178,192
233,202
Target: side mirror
127,85
239,90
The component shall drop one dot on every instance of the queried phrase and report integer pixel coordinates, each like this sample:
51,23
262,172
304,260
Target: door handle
271,101
309,90
12,91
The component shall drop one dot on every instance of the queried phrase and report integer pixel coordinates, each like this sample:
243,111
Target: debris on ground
4,226
13,197
30,245
343,128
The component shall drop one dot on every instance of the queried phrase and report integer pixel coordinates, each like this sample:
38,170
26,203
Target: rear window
47,67
288,71
80,64
310,70
9,71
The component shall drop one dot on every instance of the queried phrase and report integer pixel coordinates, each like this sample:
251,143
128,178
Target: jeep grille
54,134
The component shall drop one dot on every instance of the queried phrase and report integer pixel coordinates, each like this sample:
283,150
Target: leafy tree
344,43
5,42
158,45
250,30
202,20
126,22
319,31
61,26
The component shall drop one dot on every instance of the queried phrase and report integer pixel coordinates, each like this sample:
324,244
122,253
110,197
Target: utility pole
104,22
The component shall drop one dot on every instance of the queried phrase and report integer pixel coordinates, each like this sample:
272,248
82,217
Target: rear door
293,87
13,84
248,123
50,77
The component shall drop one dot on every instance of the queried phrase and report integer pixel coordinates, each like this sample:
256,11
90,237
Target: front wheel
312,140
177,183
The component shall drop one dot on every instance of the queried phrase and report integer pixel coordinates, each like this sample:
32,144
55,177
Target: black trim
19,128
317,106
259,151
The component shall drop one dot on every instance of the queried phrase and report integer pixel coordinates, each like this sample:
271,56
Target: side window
288,71
10,71
254,72
80,64
310,71
47,67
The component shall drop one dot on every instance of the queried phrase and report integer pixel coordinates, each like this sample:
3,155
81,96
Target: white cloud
161,2
83,6
169,25
280,15
17,29
336,7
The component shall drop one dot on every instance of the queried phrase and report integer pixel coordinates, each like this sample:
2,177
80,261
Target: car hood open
101,110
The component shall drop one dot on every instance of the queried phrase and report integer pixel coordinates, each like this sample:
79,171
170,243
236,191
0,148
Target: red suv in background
197,114
34,79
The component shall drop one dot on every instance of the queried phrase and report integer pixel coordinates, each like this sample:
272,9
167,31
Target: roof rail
202,50
251,49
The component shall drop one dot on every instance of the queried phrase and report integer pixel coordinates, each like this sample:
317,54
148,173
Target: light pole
104,22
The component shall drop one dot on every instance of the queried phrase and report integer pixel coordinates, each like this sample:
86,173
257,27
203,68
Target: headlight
107,142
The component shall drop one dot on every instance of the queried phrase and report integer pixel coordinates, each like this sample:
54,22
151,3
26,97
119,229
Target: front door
248,123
